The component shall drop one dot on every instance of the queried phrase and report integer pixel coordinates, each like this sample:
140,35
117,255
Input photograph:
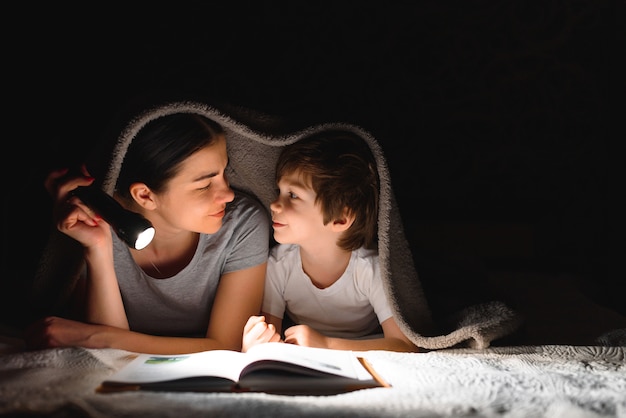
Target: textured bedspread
540,381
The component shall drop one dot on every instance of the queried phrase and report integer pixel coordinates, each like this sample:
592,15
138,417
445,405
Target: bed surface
520,381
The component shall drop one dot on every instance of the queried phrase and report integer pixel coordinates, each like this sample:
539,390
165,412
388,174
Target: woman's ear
344,222
143,195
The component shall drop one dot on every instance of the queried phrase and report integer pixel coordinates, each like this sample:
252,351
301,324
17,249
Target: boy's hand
257,331
306,336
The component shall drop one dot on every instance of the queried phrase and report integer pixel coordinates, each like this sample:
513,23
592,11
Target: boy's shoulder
279,251
282,251
365,253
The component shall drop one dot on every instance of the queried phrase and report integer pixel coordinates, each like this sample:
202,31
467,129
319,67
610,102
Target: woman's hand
70,215
257,331
53,331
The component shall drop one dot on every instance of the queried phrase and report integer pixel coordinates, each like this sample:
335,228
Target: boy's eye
292,195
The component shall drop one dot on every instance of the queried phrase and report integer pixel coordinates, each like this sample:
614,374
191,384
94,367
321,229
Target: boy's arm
393,340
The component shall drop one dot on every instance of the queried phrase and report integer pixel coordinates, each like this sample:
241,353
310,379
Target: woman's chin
212,228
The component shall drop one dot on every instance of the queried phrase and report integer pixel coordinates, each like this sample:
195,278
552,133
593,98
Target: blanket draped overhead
253,151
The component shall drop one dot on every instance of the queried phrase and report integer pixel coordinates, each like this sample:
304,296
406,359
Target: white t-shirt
352,307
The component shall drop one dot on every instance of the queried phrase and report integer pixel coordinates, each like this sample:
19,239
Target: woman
202,276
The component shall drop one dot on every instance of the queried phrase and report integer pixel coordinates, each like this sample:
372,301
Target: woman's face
196,197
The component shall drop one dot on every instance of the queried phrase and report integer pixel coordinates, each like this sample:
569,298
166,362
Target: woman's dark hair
341,169
157,151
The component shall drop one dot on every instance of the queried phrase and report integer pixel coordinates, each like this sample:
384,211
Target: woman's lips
219,214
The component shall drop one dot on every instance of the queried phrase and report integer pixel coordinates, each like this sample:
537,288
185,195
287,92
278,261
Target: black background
494,116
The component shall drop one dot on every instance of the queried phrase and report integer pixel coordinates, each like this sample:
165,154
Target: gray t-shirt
181,305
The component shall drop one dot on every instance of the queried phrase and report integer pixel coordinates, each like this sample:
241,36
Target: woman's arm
258,330
238,297
102,297
97,298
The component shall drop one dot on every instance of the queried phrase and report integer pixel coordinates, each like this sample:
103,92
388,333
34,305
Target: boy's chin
279,240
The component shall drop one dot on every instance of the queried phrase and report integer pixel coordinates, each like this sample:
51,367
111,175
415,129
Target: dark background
495,119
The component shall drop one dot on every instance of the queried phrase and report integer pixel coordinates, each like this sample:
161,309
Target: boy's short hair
341,169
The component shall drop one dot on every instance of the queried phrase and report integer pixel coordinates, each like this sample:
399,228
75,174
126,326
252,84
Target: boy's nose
275,206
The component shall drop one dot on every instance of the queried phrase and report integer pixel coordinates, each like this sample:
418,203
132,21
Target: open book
278,368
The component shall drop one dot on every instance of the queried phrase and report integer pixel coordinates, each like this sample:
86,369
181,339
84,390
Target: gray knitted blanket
253,149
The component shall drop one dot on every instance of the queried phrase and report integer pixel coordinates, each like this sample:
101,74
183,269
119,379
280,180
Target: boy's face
296,218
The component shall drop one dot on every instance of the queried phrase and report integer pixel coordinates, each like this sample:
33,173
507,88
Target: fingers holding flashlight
80,222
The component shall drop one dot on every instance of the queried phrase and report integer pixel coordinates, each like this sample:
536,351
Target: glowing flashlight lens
144,238
132,228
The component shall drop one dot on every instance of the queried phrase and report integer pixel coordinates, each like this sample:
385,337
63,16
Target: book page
147,368
151,368
338,362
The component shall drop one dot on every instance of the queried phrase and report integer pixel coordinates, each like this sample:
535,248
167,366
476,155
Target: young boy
324,273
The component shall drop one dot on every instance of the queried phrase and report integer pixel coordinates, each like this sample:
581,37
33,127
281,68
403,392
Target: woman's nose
226,194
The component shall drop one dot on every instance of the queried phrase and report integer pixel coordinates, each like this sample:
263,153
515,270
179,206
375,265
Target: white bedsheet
540,381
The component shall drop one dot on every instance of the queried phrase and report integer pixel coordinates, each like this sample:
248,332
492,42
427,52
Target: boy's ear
344,222
142,195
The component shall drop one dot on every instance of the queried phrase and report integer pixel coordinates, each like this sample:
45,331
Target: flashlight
132,228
